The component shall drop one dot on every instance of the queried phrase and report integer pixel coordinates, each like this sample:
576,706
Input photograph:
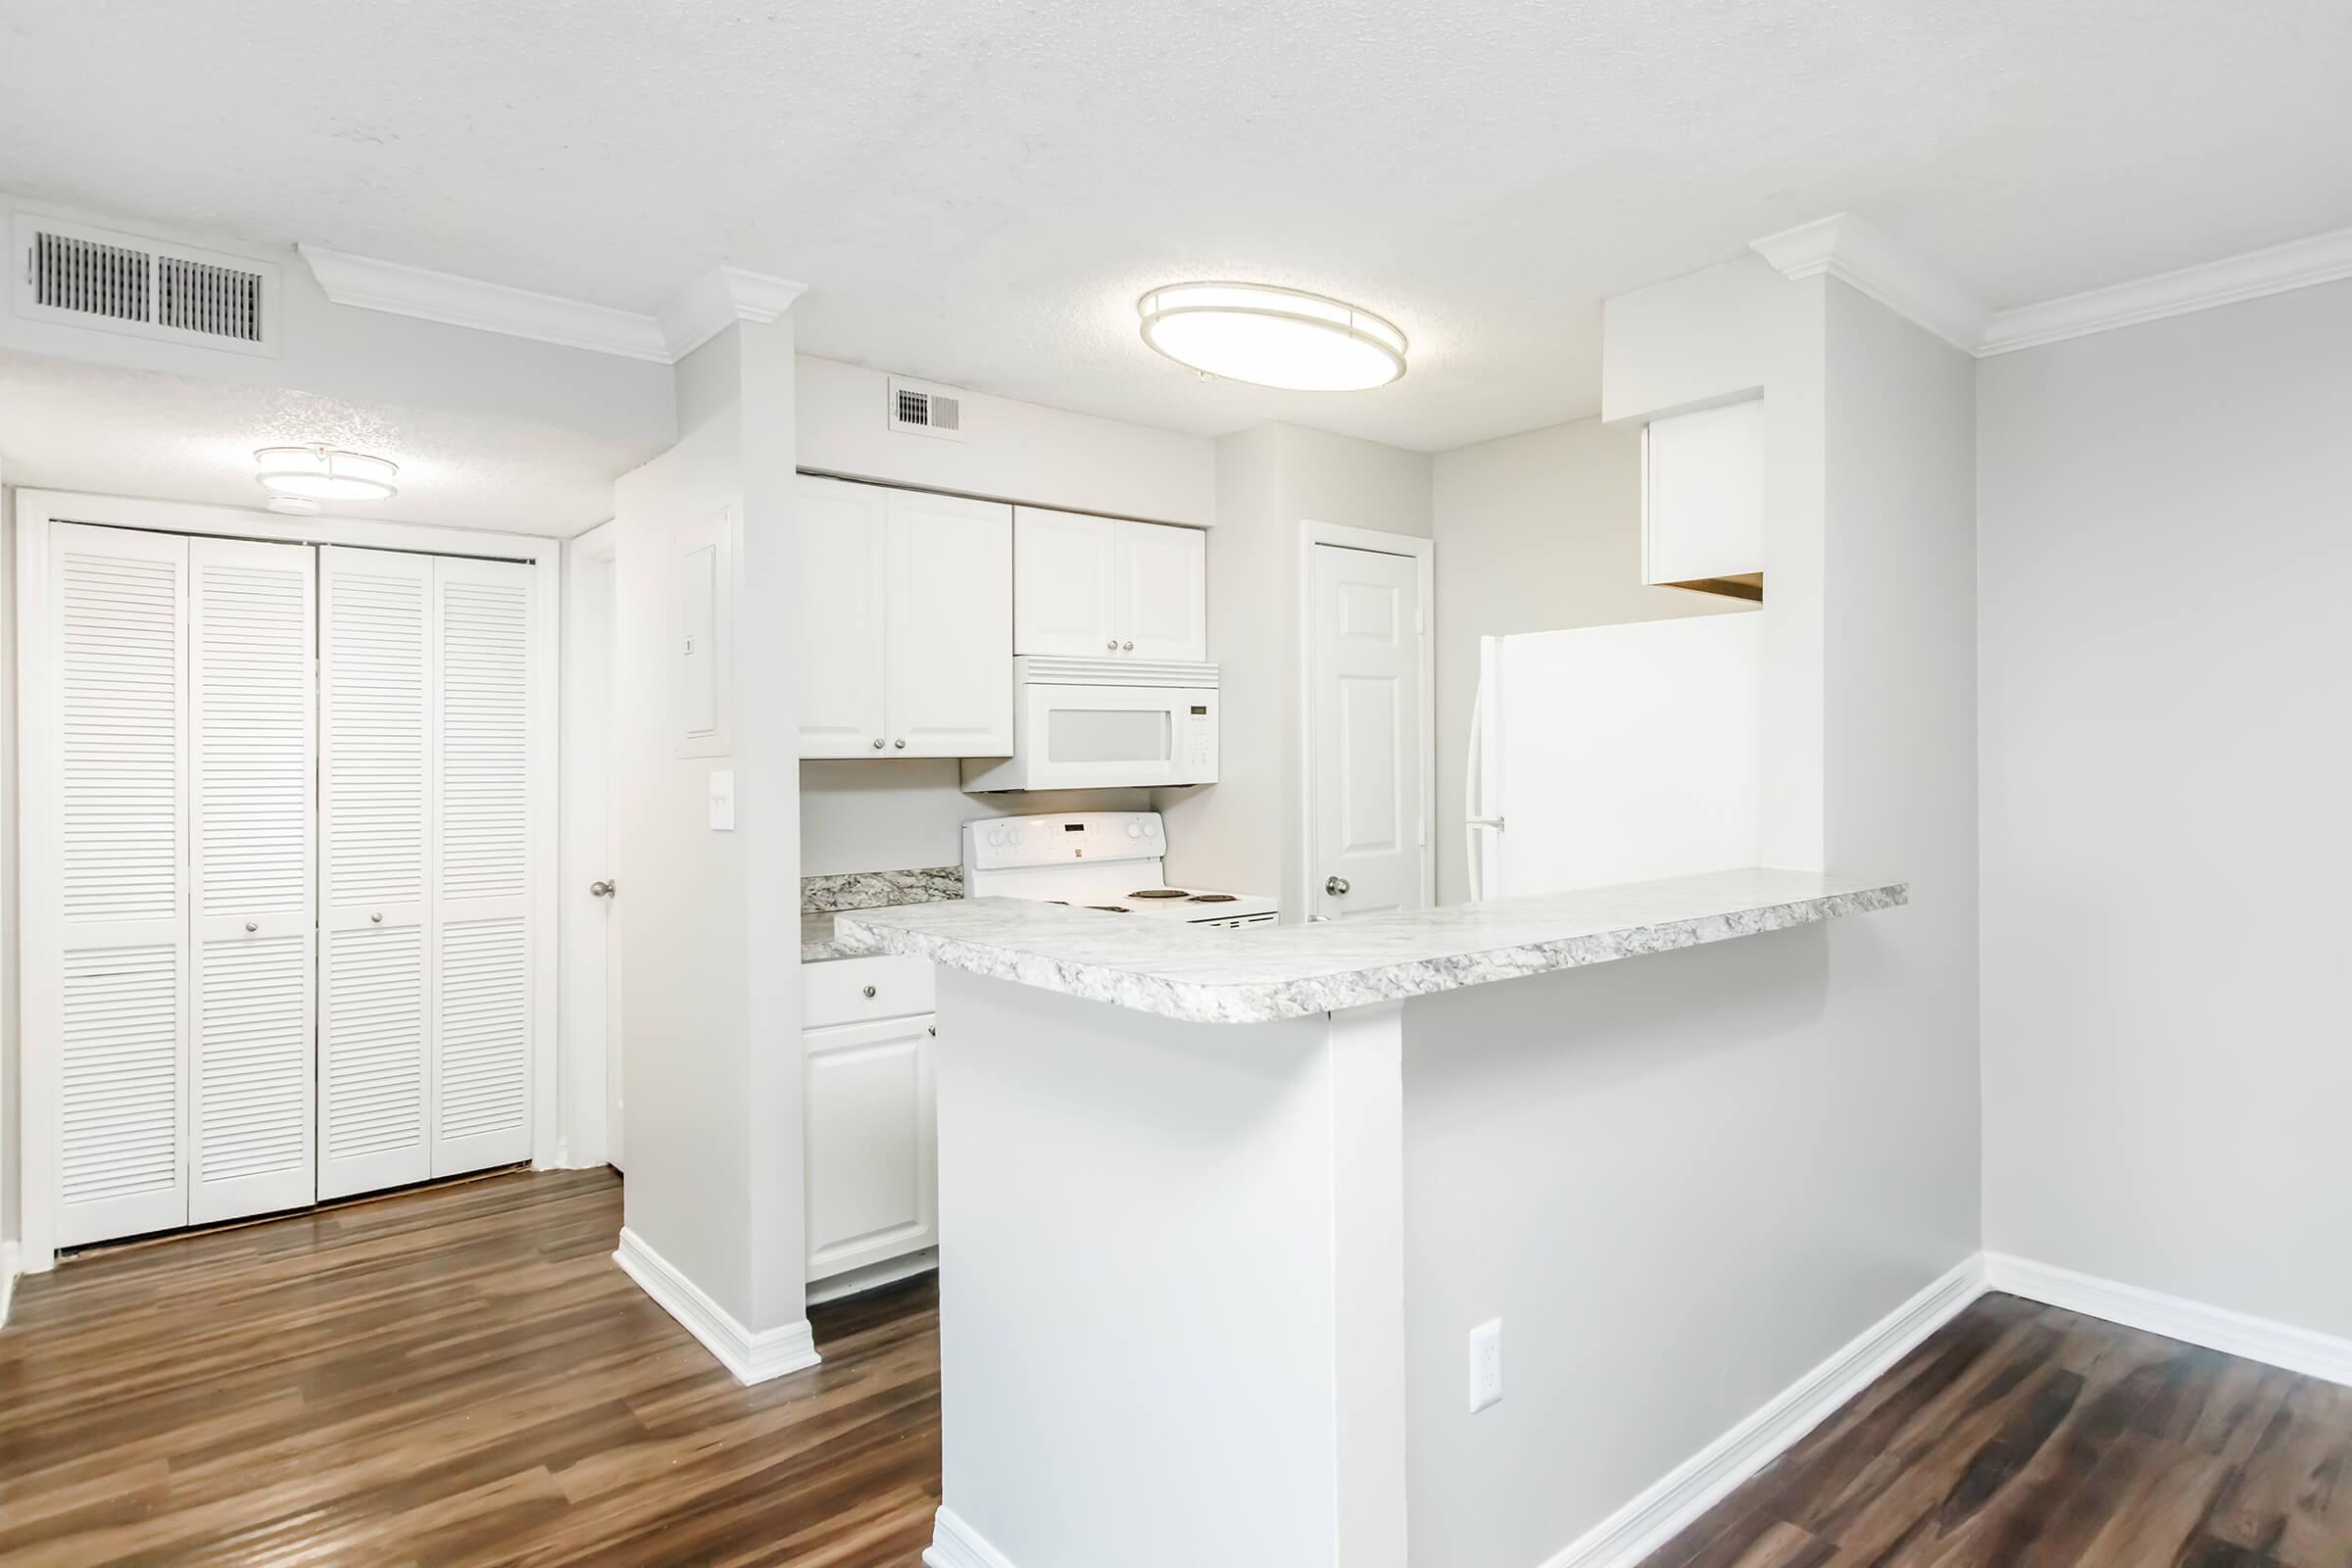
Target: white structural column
1172,1328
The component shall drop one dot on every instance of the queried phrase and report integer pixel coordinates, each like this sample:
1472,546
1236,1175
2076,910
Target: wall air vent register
80,275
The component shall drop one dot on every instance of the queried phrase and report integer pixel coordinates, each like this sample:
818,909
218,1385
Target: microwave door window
1079,735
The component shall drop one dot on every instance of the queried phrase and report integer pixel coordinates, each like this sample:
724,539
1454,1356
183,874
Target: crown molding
2299,263
702,310
717,300
1850,250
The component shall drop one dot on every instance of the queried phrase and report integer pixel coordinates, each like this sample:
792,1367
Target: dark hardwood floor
2022,1437
452,1376
462,1376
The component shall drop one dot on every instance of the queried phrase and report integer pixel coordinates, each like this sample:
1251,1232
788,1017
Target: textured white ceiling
65,424
976,190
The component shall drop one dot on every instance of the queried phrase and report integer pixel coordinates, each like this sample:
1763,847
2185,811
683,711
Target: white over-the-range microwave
1105,723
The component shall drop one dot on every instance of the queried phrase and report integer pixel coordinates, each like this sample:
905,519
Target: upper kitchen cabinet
1702,500
906,622
1106,588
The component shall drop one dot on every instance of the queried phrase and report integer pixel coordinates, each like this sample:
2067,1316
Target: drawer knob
253,925
869,993
377,918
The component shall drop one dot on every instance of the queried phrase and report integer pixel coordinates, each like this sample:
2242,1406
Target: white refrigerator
1616,754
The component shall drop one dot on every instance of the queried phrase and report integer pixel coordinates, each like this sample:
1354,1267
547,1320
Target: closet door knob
377,918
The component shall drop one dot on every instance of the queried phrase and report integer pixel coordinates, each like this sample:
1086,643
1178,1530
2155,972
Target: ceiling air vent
921,410
85,276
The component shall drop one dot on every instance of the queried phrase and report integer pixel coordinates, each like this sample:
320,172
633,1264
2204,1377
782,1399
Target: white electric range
1106,861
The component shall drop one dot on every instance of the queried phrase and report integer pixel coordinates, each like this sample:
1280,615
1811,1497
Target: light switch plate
722,800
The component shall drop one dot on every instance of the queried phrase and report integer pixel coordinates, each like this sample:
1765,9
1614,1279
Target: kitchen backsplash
874,890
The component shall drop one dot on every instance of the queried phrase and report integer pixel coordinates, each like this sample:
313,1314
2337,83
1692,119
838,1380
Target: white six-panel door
1364,721
119,613
250,705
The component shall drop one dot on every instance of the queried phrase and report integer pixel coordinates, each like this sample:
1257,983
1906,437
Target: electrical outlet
1486,1365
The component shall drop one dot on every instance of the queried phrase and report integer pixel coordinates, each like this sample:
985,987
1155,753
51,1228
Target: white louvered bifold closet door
252,1064
482,914
375,865
118,606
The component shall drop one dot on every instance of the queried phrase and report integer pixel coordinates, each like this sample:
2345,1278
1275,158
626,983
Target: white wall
2165,767
1010,451
369,357
11,1093
712,1018
1244,833
1731,1161
1536,532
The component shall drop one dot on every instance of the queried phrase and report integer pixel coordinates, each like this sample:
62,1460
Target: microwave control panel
1199,737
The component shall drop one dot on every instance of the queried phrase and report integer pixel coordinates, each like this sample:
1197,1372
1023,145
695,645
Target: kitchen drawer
855,989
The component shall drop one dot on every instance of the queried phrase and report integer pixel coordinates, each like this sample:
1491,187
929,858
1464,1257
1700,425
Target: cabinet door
1702,495
117,937
375,868
1164,593
948,590
253,1061
1066,601
872,1151
481,902
842,533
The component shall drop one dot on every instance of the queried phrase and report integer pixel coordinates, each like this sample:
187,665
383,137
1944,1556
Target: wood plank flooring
2022,1437
452,1376
461,1376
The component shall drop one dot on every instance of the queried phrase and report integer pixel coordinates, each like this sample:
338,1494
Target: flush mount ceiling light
1277,338
324,474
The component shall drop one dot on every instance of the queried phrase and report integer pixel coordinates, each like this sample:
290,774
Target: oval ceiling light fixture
1269,336
325,473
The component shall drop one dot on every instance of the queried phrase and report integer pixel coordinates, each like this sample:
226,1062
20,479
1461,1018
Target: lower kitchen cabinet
871,1145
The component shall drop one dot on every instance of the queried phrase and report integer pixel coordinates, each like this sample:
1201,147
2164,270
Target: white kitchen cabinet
1105,587
906,607
871,1145
1702,499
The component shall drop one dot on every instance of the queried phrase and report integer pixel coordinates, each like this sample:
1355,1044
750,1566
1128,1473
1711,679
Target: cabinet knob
900,743
869,993
253,925
1112,645
377,918
877,743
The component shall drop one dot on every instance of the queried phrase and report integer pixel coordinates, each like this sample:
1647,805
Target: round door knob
877,743
600,890
869,993
900,743
1126,648
253,925
1336,886
377,918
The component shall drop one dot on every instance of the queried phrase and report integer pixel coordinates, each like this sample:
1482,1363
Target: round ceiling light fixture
325,473
1269,336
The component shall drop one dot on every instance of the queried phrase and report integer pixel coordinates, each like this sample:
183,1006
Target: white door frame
37,704
1424,555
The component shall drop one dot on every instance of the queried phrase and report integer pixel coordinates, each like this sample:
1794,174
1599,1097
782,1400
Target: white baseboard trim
11,1266
1665,1508
957,1544
2216,1328
752,1357
874,1276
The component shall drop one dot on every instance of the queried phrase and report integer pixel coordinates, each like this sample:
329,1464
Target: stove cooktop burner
1157,893
1212,898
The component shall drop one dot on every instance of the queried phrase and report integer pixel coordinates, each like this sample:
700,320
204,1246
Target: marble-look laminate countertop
1256,975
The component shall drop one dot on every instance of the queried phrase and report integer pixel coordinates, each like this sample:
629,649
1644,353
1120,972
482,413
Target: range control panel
1005,843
